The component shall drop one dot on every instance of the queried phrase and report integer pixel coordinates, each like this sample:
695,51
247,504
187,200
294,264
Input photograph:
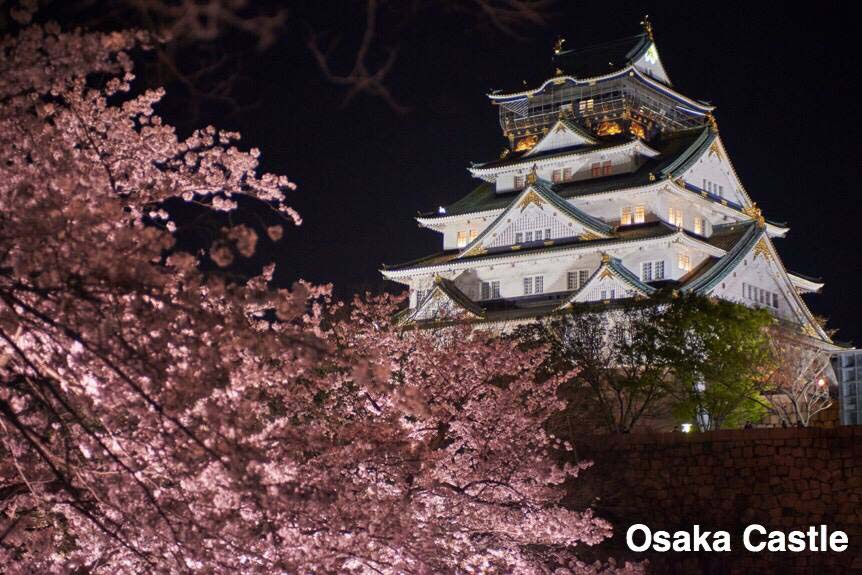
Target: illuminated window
606,168
632,215
609,129
675,217
683,262
585,106
699,226
473,234
626,217
526,143
462,239
596,170
637,130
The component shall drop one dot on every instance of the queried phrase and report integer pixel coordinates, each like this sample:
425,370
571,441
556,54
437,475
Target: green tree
617,354
720,354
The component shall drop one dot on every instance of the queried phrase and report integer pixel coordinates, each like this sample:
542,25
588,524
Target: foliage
158,420
720,353
697,355
618,354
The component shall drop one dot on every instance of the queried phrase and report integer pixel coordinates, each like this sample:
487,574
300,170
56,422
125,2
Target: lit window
698,225
462,239
684,262
606,168
626,217
640,214
528,286
585,106
675,216
596,170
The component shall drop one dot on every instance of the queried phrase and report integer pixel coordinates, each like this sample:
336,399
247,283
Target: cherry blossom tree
157,419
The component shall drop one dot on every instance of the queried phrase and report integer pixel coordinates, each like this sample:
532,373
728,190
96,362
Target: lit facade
613,185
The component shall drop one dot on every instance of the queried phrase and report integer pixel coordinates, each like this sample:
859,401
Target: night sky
782,81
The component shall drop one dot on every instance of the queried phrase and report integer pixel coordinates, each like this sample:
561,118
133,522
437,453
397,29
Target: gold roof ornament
558,45
558,72
755,214
647,26
651,177
605,257
713,125
761,249
532,176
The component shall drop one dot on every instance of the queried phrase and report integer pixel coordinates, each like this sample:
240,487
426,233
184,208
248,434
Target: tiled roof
704,281
602,58
672,147
649,230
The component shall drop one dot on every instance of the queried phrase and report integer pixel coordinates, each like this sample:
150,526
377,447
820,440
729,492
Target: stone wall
783,479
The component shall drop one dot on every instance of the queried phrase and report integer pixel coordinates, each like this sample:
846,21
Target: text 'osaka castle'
613,185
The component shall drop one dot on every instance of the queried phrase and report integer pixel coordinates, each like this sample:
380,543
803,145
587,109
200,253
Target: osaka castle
612,185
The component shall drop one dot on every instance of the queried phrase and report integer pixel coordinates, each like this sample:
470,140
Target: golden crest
762,249
531,197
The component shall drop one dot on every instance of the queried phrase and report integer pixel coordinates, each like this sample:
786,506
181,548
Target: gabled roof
610,267
616,144
601,59
671,147
446,289
740,245
565,130
627,235
539,192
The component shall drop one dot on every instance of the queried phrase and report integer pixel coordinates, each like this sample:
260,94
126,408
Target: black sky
784,82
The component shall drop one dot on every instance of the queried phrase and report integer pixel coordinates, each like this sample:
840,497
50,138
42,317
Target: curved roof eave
700,107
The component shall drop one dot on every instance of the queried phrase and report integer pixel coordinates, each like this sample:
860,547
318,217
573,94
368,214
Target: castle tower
613,185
